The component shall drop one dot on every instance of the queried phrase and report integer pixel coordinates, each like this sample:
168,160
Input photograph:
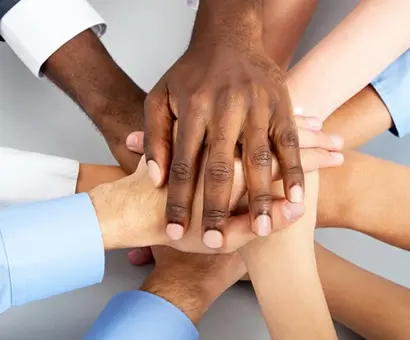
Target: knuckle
176,212
288,139
220,172
181,171
263,201
294,170
214,218
262,157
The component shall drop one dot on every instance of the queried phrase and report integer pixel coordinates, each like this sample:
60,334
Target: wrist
124,215
233,23
190,296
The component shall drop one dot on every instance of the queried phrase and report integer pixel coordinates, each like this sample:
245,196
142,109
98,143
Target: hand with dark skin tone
85,71
226,93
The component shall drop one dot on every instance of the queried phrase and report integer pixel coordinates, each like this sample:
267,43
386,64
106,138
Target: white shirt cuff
35,29
29,176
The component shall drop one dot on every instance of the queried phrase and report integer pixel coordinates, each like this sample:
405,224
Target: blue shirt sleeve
48,248
393,87
141,315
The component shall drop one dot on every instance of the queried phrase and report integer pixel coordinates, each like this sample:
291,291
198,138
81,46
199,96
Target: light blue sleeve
48,248
393,87
141,315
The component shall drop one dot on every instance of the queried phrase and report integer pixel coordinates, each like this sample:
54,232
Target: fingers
183,175
238,233
313,123
135,142
158,134
218,181
257,160
318,139
284,138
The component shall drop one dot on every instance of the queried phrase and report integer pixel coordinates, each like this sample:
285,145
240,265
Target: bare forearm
372,197
370,305
92,175
351,56
283,271
284,23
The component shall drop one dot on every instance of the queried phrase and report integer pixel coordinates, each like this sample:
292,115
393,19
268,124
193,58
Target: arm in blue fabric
48,248
138,315
393,87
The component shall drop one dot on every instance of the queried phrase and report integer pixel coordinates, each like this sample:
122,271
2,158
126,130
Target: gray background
145,39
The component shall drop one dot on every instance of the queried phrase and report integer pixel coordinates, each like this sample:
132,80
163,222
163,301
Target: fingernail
298,110
315,123
337,141
263,225
154,173
175,231
213,239
132,142
292,211
296,194
338,157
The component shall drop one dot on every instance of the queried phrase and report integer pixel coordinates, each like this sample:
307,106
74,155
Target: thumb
135,142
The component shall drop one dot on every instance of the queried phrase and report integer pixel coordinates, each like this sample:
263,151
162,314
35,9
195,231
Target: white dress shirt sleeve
29,176
35,29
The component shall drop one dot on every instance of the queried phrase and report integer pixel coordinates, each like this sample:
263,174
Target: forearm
92,175
351,56
85,71
283,271
370,305
380,211
236,23
284,23
360,119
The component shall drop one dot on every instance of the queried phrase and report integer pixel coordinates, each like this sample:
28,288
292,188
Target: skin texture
225,78
115,199
370,27
84,70
346,286
192,282
283,271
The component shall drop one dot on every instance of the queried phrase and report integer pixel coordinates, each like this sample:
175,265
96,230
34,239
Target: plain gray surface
145,39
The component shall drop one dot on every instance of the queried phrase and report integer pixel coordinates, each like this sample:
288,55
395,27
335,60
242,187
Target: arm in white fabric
36,29
29,176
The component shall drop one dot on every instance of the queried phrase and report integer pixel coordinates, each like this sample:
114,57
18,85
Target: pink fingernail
262,225
175,231
296,194
154,173
293,211
132,142
213,239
